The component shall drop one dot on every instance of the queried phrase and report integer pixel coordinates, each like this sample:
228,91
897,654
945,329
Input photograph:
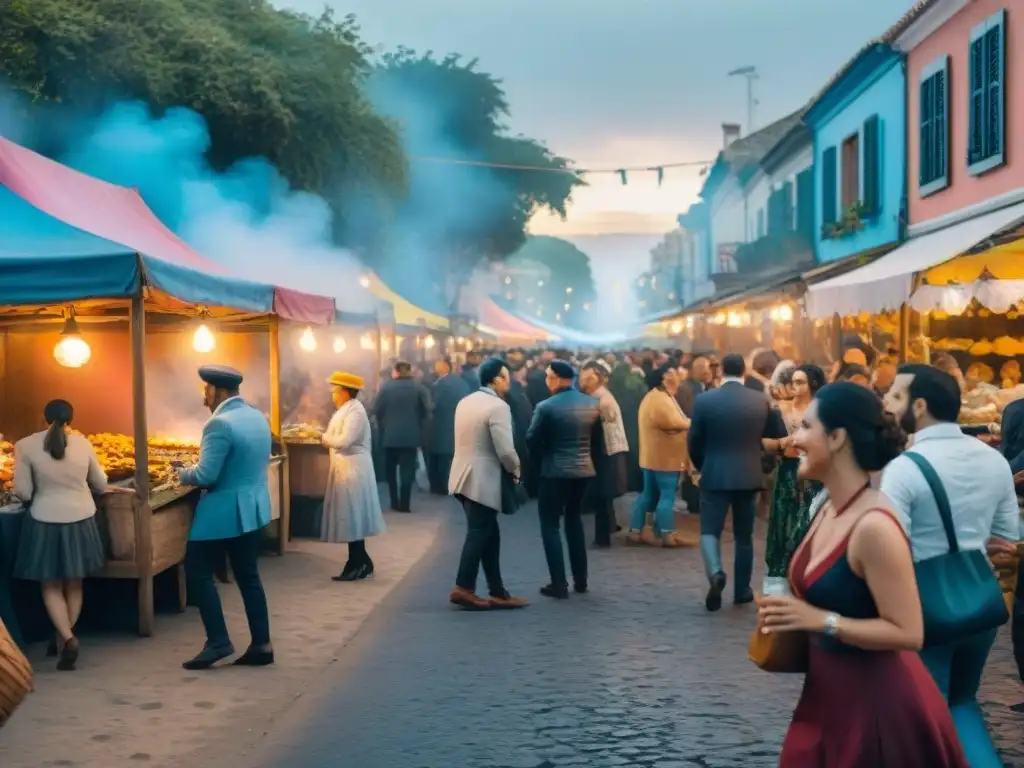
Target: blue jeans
663,485
957,668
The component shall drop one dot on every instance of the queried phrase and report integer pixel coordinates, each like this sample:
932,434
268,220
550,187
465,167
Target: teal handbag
960,595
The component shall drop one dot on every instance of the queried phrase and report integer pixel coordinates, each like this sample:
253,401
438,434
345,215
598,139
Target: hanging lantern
72,351
203,341
429,341
677,328
366,341
307,341
786,313
339,344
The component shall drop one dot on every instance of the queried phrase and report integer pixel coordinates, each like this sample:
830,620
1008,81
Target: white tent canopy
887,283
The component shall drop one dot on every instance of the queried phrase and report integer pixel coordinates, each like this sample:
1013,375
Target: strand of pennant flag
622,173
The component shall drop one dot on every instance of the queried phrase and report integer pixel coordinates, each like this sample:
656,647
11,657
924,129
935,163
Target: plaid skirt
57,551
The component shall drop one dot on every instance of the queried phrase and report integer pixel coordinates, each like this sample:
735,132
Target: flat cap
562,370
220,376
348,380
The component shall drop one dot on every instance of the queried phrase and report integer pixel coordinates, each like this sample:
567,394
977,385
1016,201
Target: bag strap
939,492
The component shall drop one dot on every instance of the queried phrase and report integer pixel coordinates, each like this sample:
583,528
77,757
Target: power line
622,172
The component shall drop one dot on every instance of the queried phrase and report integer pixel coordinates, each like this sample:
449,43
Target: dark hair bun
875,437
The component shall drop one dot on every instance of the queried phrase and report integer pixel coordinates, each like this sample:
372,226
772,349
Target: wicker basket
15,676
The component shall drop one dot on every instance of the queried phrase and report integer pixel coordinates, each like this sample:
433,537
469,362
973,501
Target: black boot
348,572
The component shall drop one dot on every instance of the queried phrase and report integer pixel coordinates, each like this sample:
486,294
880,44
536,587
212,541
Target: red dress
862,709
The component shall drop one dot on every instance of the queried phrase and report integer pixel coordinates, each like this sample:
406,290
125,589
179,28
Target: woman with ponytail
56,473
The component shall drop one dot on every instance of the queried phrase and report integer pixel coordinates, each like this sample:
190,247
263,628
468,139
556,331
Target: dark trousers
559,498
604,518
400,470
202,559
714,508
439,467
957,668
482,547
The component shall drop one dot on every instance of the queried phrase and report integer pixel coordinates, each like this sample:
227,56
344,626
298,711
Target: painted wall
758,190
953,40
728,219
882,94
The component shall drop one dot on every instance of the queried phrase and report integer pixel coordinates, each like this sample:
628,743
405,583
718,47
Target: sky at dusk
611,83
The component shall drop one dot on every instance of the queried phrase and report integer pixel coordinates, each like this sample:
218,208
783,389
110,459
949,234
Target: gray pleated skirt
55,551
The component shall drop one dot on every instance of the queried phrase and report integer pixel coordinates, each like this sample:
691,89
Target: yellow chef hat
347,380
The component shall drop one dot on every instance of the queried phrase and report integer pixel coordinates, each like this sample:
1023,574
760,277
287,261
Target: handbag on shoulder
960,595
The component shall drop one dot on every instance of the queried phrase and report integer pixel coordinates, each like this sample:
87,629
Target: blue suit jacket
232,471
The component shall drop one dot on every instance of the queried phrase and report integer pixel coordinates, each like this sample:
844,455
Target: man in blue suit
233,510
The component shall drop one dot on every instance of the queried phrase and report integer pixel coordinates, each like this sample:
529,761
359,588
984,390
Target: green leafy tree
270,83
459,213
568,282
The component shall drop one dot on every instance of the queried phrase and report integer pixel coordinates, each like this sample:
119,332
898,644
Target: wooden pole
904,340
275,376
143,513
284,523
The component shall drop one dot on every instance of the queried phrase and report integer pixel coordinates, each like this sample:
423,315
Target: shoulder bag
960,595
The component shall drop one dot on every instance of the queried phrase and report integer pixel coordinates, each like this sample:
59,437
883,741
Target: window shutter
940,126
872,157
760,223
805,203
995,58
828,186
976,105
925,171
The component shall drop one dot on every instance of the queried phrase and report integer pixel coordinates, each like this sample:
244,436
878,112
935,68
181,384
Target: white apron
351,503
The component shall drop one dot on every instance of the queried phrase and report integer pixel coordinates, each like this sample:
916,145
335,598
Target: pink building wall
953,39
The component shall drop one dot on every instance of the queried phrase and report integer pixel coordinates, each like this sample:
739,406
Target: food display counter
309,462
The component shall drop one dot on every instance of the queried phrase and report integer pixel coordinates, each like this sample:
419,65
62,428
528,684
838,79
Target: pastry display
303,433
116,454
6,470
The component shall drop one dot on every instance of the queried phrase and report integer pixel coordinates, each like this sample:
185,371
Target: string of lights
622,173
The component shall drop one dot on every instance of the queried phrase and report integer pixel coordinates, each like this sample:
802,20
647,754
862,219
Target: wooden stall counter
144,539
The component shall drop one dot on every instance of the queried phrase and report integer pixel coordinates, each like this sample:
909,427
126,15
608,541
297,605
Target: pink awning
120,215
106,210
303,307
493,316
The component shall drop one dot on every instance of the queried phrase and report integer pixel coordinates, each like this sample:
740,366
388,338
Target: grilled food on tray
307,433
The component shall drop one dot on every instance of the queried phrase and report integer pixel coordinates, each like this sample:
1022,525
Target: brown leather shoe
468,600
507,603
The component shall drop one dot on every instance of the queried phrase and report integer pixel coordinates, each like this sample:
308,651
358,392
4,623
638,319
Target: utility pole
750,73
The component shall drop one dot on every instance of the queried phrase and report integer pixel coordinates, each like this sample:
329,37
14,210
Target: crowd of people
893,539
885,518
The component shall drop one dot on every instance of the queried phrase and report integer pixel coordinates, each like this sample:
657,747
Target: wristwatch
832,625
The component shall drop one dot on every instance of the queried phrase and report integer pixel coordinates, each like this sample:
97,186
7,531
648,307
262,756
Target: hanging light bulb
203,341
366,341
785,313
339,344
364,281
429,342
385,345
72,351
677,328
307,341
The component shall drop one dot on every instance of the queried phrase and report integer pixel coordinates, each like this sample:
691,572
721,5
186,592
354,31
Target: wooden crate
308,467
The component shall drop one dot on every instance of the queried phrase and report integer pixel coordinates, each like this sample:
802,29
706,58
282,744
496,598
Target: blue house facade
858,125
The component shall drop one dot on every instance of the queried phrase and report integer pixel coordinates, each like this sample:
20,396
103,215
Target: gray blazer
483,446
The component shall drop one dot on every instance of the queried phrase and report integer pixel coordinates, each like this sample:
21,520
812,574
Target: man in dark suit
522,413
446,392
725,446
561,440
470,374
401,410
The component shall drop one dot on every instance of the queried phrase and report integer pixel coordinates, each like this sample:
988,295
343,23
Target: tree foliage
269,82
568,268
463,213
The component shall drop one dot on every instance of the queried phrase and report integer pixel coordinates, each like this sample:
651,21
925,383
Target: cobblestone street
636,673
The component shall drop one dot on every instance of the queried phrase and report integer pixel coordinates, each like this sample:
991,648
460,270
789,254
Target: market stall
418,334
84,316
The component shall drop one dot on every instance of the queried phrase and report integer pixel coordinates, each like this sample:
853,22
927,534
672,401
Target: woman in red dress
868,701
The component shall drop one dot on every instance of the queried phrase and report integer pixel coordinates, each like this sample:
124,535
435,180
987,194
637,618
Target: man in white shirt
978,481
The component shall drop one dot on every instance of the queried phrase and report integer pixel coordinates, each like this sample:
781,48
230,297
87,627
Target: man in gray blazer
483,450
